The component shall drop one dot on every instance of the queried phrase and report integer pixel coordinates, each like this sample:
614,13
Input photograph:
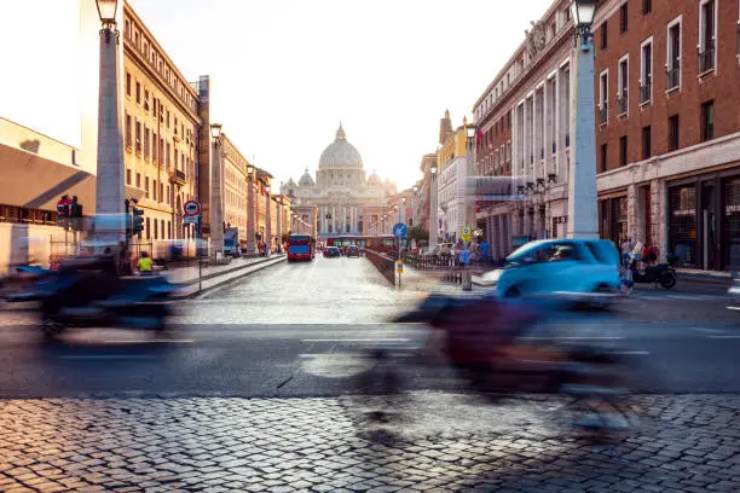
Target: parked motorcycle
88,293
663,274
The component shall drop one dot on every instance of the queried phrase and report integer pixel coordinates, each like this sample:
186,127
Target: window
138,92
673,133
156,230
138,136
647,6
154,146
146,143
128,131
128,177
646,72
604,96
707,121
148,229
154,189
623,80
138,180
673,57
707,35
647,144
146,186
623,14
623,150
128,84
604,35
603,161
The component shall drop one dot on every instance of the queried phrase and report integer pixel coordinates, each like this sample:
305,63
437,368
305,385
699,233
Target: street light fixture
583,14
433,168
470,131
216,130
107,11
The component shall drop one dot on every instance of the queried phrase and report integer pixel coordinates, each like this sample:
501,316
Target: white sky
285,72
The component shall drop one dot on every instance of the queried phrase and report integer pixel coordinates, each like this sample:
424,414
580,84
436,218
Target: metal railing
673,77
706,59
646,92
622,103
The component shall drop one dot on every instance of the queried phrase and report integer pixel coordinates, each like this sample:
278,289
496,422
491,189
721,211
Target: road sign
190,219
399,266
400,230
467,233
191,208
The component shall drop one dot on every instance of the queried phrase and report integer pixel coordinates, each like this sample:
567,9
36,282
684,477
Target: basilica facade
341,201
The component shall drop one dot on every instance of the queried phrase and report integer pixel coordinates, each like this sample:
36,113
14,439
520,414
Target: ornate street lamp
107,12
216,129
583,216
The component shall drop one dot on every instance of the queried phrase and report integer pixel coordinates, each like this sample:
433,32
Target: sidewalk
704,276
213,276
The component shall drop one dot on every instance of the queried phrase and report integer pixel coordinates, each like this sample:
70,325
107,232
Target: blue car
577,269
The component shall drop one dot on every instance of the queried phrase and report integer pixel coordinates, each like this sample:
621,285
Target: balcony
177,176
622,103
673,77
603,113
706,58
646,92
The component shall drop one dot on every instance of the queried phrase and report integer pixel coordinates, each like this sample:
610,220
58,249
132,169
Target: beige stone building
161,125
234,187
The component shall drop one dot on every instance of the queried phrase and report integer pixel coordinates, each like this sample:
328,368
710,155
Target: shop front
613,219
704,221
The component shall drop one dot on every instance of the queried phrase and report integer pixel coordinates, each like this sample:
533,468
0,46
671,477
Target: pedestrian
485,250
145,264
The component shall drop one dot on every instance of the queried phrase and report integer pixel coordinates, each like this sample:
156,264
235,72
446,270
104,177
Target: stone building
453,171
524,132
347,203
161,128
668,127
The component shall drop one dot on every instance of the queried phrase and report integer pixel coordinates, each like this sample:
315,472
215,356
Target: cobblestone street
446,443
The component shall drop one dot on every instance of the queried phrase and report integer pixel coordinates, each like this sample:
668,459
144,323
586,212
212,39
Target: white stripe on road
632,353
376,341
149,341
106,356
724,337
594,338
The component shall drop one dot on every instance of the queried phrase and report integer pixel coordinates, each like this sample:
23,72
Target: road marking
574,338
376,341
724,337
106,356
148,341
704,330
632,353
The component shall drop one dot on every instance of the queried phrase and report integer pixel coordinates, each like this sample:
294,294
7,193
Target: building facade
347,203
453,173
234,186
161,127
668,136
524,132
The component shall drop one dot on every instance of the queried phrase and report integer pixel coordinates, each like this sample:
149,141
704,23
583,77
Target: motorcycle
663,274
488,341
88,293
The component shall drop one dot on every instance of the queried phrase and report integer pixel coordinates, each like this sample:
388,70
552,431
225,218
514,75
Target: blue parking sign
400,230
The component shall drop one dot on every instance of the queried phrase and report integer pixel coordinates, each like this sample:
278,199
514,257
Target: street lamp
109,179
216,199
583,217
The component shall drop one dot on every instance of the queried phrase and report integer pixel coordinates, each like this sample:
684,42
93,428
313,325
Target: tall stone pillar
216,205
268,221
251,216
109,193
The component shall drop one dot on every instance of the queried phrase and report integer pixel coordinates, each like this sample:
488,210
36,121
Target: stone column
582,202
268,222
433,220
251,216
216,205
109,193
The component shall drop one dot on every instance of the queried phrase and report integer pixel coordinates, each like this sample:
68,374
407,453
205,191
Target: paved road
266,385
306,329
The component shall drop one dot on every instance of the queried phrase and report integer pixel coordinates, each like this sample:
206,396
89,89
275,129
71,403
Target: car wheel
513,292
599,302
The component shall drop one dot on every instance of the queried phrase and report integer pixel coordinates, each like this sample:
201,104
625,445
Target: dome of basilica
306,180
340,154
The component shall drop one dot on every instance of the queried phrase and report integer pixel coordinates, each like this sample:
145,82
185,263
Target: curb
261,265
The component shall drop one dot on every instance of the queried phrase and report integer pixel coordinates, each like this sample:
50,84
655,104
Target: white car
579,269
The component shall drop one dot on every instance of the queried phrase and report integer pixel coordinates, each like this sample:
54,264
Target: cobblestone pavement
429,442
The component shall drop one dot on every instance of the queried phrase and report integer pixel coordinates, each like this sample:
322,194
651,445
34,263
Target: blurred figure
145,264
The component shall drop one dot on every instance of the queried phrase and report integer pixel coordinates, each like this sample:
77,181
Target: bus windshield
299,240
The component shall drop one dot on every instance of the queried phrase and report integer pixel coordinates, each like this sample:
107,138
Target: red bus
300,247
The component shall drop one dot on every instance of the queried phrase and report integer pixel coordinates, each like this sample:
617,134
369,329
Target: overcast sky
285,72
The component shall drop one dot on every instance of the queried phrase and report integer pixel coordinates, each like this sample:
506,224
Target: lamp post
268,220
582,194
109,192
433,220
216,209
251,212
468,197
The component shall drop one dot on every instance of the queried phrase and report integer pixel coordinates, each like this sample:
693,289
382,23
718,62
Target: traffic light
138,220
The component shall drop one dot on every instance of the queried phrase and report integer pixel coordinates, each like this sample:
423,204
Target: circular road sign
467,232
192,208
400,230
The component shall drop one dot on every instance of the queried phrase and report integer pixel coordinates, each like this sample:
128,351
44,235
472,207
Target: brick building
668,126
524,132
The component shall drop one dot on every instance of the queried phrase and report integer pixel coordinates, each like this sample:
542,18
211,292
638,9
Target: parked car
579,269
352,251
332,251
